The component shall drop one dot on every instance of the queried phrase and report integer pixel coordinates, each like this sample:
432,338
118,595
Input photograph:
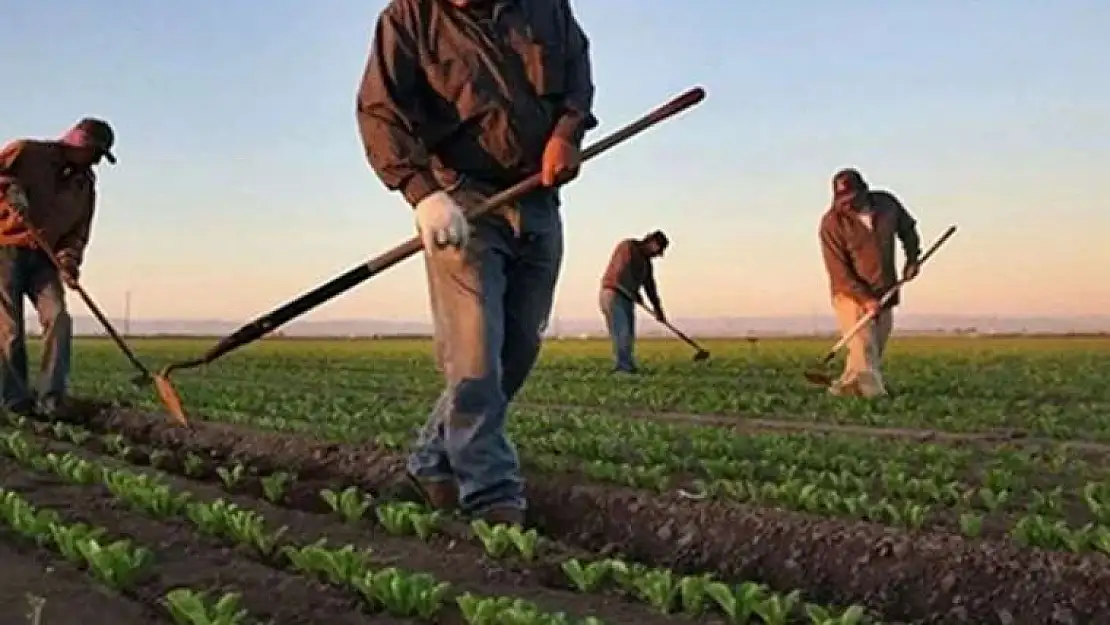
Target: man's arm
839,267
652,292
388,111
577,117
71,246
907,233
9,157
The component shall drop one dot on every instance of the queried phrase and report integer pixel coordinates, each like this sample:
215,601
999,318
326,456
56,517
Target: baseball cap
847,183
659,238
95,133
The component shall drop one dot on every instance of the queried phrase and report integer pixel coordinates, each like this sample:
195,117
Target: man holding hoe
630,270
459,100
49,186
857,243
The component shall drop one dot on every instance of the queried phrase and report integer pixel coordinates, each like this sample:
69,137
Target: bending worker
51,186
630,270
857,242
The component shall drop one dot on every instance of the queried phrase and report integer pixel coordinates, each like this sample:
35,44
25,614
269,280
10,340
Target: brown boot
442,495
439,495
503,515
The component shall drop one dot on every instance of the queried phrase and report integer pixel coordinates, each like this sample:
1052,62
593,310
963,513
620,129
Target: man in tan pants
857,243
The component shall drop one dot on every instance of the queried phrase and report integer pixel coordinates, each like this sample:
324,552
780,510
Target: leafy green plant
403,594
188,607
499,539
233,476
350,504
275,485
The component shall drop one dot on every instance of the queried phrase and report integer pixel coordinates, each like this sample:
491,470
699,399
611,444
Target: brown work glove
561,159
71,270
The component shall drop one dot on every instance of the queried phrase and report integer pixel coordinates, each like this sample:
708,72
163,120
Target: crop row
347,566
1059,396
117,564
902,484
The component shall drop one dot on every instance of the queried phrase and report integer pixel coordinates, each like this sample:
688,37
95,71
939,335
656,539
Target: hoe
340,284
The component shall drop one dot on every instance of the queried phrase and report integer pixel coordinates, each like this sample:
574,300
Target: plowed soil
921,578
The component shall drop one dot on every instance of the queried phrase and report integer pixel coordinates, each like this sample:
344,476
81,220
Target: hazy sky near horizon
242,182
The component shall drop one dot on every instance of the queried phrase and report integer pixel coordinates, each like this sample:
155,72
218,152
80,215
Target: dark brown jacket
458,91
62,200
630,270
859,261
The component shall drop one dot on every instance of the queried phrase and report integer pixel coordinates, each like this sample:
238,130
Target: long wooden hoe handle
340,284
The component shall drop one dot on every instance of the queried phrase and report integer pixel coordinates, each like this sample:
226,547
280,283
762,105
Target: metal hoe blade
701,355
819,378
170,399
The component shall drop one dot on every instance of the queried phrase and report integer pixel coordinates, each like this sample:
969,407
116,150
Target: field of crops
719,492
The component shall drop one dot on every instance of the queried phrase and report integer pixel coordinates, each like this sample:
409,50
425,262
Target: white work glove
13,194
441,222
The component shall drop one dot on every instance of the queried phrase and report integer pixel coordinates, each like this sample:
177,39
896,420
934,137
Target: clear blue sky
242,182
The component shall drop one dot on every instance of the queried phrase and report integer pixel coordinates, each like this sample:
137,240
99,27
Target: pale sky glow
242,183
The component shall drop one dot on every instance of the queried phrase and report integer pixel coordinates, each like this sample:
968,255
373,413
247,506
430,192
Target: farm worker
857,242
630,270
459,100
50,185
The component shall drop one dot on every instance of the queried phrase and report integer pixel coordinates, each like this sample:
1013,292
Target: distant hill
709,326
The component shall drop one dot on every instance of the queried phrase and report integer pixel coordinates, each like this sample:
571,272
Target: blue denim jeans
29,273
490,305
620,319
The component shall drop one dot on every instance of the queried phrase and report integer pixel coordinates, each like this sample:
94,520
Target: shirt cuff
419,186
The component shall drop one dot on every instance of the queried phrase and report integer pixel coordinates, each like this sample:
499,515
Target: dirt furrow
31,581
445,557
930,578
183,559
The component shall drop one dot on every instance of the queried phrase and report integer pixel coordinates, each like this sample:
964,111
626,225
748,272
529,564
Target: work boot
440,495
22,408
503,515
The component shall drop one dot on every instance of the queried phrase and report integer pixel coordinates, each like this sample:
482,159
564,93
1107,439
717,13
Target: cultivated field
718,492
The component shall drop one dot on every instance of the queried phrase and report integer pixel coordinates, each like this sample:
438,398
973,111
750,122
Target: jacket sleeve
8,155
907,233
839,267
73,243
577,117
389,112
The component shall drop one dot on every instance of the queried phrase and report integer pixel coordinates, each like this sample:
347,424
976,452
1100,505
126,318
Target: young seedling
67,539
350,504
193,464
819,615
231,477
187,607
776,609
738,603
275,485
117,565
499,539
339,566
589,577
401,518
403,594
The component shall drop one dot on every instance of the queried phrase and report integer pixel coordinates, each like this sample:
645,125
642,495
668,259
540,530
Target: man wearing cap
857,235
461,99
630,270
48,185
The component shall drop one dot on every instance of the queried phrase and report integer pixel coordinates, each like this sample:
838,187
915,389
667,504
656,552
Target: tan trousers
863,368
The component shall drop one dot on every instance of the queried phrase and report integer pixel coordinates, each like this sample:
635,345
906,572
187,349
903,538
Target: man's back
60,198
628,268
